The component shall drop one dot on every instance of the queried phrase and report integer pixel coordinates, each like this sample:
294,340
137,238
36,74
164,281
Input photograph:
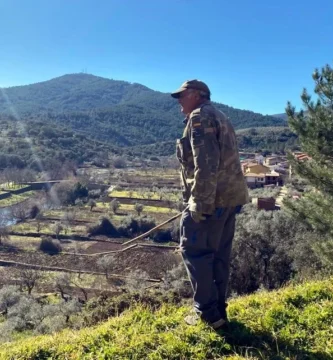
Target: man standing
214,190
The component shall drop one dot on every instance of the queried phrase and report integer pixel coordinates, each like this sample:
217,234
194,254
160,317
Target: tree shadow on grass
264,346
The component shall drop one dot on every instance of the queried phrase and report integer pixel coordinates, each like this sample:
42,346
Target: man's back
210,161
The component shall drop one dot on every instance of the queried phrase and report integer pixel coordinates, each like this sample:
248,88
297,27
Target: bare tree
4,234
68,220
39,222
57,229
19,211
28,175
91,204
28,278
62,285
11,175
58,170
78,284
69,217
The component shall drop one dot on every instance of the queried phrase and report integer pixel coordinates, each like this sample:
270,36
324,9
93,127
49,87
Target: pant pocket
193,235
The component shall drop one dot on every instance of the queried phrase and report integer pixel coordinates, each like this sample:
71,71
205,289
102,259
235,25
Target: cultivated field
145,197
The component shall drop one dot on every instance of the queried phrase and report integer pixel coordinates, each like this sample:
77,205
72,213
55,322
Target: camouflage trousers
206,248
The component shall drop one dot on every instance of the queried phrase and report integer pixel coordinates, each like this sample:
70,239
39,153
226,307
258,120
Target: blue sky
254,55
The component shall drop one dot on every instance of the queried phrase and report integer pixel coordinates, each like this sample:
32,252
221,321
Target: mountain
283,116
73,92
111,102
116,113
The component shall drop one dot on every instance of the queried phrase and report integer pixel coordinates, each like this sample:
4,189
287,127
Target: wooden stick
153,229
112,251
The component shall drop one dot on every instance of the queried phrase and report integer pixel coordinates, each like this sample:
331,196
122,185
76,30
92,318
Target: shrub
9,296
80,191
34,211
103,307
163,235
119,163
114,205
132,225
269,249
105,264
104,227
176,280
48,245
94,194
137,281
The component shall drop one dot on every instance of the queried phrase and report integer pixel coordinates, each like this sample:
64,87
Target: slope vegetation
39,143
292,323
100,106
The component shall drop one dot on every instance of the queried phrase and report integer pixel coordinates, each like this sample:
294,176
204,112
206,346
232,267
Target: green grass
133,194
12,186
47,228
146,195
15,199
292,323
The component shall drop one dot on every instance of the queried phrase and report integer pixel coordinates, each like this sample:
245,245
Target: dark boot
222,307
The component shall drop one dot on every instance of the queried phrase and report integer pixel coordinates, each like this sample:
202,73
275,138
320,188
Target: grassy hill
291,323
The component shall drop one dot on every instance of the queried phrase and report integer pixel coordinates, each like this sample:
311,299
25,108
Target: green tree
92,204
314,128
114,206
138,208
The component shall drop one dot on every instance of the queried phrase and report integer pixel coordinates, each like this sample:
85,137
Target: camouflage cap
191,84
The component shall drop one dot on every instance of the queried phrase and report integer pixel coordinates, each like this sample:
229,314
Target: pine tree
314,128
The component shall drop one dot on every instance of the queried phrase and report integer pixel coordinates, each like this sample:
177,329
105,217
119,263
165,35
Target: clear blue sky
254,55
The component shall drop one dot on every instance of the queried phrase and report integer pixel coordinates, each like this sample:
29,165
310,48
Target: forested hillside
40,145
277,138
79,116
80,92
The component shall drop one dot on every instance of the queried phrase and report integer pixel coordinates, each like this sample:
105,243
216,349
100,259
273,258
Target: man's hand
197,216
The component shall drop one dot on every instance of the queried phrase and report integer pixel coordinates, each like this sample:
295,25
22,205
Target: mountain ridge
73,81
113,111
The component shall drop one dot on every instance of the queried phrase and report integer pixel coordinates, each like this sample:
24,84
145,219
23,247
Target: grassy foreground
292,323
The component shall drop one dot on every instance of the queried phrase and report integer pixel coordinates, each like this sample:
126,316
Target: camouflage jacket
210,166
